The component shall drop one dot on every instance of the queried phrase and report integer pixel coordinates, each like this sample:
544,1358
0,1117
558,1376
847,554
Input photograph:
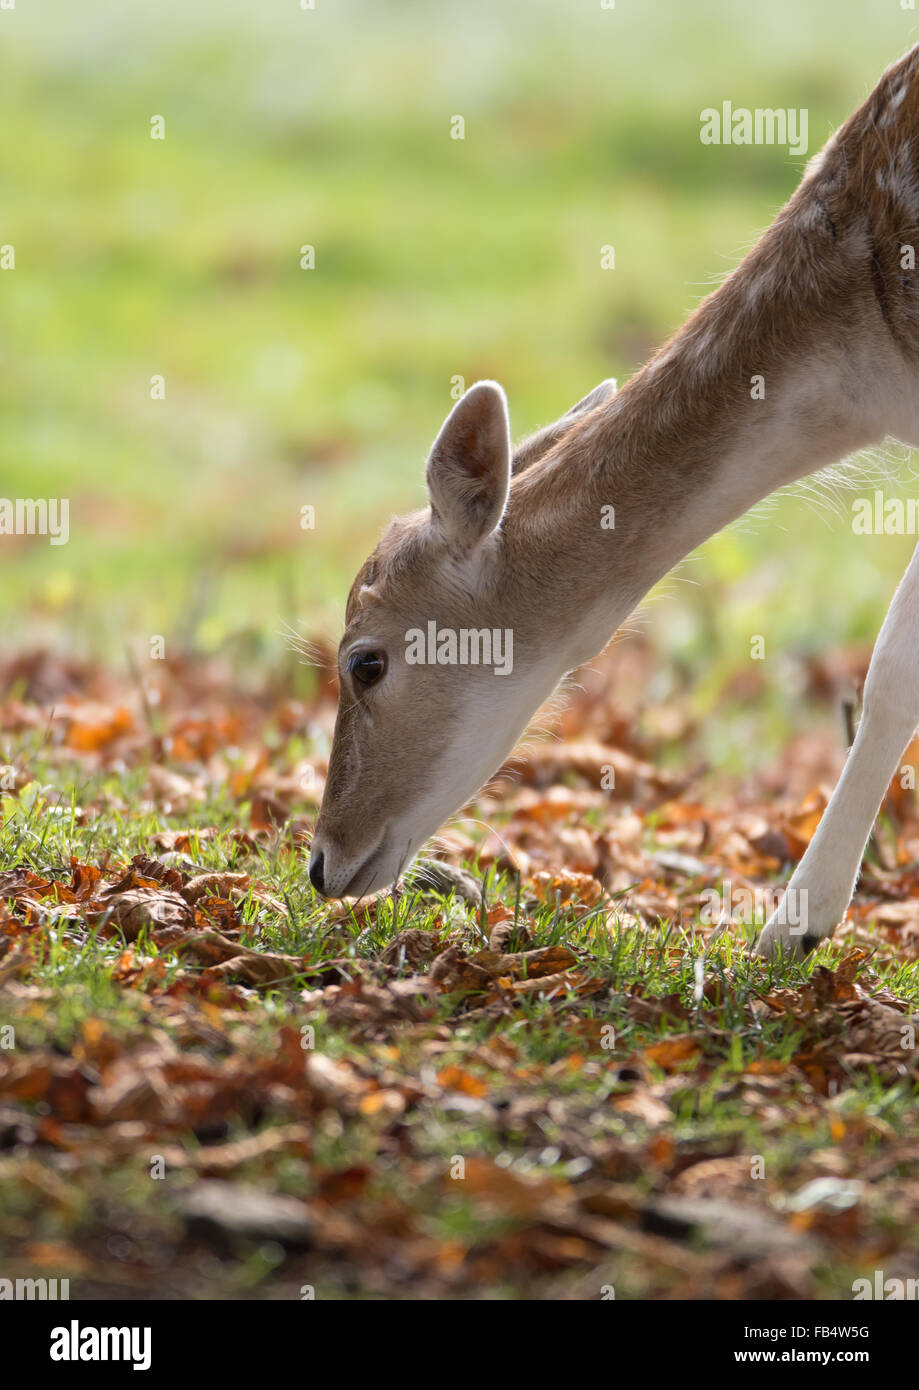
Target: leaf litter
536,1065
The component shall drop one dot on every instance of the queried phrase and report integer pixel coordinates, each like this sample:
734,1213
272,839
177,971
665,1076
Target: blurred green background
435,258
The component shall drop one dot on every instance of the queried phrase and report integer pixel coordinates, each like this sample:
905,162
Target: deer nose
316,870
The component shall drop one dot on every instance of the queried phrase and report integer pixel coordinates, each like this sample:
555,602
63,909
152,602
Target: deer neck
786,368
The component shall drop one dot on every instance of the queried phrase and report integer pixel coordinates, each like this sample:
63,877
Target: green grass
561,1086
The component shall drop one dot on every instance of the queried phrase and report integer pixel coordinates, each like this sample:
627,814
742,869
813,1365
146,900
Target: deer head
438,667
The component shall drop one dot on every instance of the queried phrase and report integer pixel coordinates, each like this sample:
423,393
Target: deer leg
824,880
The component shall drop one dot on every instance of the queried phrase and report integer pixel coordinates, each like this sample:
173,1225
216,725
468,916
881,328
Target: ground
551,1075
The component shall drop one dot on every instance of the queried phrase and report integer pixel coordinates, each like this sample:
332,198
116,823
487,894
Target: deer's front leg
823,882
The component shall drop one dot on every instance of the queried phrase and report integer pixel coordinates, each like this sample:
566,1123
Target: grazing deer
823,311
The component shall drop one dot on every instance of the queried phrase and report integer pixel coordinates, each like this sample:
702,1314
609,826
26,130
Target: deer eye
367,667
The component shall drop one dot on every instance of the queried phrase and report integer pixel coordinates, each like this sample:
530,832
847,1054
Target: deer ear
539,444
469,467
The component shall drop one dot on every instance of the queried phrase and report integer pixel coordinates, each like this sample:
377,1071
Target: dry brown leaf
673,1054
219,885
455,1078
145,907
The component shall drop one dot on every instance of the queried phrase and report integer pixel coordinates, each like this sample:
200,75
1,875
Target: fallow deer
826,311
